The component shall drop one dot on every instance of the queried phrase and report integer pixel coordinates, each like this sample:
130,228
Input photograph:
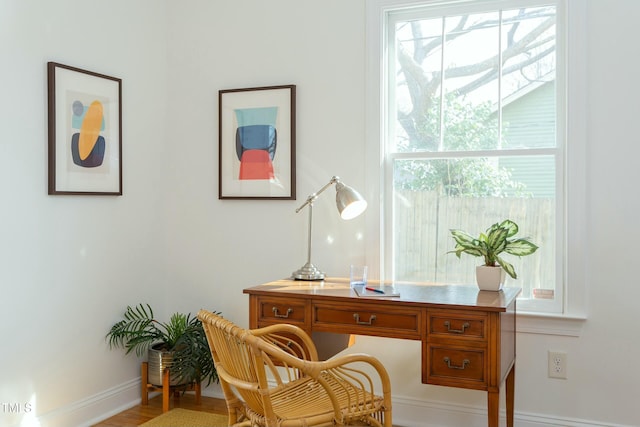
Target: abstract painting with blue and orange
87,144
256,141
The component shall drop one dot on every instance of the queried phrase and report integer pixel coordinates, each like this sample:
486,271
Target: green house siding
526,126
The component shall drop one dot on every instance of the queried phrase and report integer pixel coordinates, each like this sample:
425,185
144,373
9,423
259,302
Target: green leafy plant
183,335
497,239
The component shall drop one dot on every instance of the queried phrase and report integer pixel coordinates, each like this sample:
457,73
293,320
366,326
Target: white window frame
572,21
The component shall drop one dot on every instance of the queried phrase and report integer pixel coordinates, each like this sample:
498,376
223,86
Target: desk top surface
422,294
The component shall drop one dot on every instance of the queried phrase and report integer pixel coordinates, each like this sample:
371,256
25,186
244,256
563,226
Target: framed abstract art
257,134
85,132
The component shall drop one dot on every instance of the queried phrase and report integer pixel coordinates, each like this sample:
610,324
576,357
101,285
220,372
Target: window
474,130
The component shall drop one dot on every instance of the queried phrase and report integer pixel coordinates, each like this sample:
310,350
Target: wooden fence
422,238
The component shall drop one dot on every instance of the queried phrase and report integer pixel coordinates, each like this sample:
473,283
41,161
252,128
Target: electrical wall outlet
557,364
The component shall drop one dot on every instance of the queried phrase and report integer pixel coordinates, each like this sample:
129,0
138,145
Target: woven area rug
179,417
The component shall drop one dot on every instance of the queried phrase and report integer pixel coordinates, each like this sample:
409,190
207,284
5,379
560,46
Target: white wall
69,265
75,262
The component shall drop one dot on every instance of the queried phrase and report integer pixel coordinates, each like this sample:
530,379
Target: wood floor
140,414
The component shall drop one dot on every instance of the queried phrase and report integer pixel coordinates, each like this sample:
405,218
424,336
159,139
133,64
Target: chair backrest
235,360
246,363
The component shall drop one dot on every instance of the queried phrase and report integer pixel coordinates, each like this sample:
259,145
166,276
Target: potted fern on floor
180,345
497,239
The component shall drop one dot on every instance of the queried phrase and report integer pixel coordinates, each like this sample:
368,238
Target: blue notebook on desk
376,291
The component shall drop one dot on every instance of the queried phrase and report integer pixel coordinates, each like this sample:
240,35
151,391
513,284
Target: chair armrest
289,338
315,369
351,359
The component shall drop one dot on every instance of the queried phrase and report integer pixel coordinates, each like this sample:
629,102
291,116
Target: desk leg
493,408
493,399
510,392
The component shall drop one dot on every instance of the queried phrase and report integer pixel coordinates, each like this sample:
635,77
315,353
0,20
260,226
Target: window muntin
472,144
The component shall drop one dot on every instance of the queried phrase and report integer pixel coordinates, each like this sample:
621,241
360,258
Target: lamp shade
350,203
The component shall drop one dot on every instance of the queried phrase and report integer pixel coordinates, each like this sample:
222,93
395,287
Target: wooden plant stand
166,389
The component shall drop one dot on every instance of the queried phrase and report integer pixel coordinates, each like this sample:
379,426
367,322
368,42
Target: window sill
549,324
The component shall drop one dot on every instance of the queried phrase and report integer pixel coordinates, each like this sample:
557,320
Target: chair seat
305,398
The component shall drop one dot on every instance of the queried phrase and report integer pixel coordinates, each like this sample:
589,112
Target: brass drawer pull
465,325
465,362
282,316
359,322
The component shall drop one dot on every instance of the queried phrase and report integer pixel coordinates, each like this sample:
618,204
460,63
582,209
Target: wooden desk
468,336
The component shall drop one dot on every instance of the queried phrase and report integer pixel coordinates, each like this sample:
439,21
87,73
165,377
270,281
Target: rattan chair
271,377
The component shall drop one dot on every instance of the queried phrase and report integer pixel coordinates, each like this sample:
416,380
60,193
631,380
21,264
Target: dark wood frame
223,97
54,145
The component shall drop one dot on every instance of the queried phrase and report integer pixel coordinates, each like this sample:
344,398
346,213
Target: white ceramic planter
490,278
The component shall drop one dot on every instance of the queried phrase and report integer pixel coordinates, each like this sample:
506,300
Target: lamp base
308,272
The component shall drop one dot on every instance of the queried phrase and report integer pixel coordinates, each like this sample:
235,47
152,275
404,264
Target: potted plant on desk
180,345
497,239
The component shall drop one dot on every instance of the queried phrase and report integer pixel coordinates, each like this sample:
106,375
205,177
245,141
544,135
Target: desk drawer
451,365
368,319
458,324
281,310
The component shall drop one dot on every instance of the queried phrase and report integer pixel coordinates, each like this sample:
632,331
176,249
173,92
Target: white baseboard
101,406
94,409
407,412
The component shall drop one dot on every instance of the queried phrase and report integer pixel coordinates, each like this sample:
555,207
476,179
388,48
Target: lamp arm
309,232
349,203
312,197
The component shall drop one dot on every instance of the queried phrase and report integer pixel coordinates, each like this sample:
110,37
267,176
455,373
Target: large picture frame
85,132
257,140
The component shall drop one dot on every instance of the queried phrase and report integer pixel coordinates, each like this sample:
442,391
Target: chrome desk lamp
350,204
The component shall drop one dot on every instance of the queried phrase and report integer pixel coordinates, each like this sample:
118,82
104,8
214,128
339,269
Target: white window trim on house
573,312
